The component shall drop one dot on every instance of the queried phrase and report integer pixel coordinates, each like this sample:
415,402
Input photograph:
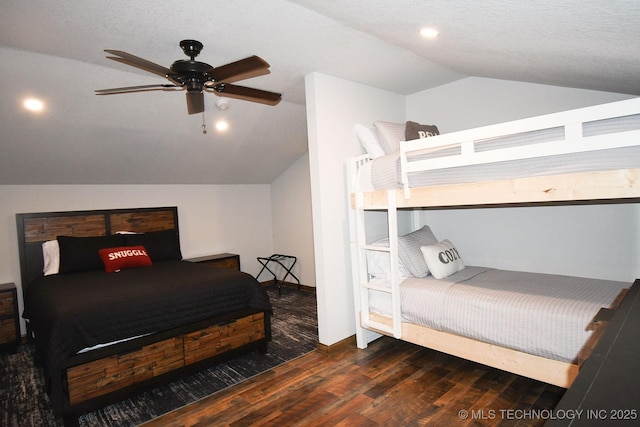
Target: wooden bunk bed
151,330
587,130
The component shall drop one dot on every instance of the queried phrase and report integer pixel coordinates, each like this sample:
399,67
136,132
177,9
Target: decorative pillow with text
416,131
116,259
443,259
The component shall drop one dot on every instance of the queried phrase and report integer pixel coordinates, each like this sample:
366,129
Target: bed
584,154
589,155
112,307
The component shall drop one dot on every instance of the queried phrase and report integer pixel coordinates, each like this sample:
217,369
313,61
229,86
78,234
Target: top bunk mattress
385,173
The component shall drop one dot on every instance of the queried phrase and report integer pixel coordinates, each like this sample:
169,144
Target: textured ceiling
54,50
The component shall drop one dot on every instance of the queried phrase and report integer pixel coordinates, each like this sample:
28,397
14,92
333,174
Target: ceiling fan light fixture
222,104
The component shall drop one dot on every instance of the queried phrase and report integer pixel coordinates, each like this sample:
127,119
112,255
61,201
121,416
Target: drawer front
8,330
6,304
102,376
217,339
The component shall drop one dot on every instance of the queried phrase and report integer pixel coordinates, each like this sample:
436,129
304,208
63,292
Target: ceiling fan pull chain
204,127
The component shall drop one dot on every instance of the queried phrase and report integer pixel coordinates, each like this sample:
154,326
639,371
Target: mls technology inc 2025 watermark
548,414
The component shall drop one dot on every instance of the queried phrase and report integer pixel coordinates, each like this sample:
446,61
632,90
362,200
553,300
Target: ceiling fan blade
135,61
195,102
246,93
128,89
243,69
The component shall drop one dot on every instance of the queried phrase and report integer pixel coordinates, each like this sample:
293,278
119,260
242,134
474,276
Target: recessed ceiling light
33,104
222,125
429,33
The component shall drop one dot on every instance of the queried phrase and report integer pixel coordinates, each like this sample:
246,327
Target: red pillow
115,259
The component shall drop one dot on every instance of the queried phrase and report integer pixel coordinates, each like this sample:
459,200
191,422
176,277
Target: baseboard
329,349
290,285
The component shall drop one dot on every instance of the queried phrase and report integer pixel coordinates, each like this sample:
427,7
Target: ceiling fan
197,77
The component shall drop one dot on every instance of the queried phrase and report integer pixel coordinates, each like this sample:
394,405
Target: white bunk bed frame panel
622,185
571,122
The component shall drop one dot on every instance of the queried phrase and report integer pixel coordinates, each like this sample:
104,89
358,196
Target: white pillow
369,140
378,262
390,134
443,259
409,250
51,257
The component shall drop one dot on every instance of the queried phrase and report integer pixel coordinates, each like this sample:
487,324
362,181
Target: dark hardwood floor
391,383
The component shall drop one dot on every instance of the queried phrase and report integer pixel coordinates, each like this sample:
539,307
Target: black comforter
69,312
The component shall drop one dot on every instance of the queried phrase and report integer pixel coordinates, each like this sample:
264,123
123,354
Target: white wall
598,241
333,107
292,224
594,241
212,218
476,101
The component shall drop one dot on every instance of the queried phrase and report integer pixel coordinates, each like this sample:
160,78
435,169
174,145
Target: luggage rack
281,260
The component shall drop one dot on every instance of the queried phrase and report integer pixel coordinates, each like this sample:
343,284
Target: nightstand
231,261
9,321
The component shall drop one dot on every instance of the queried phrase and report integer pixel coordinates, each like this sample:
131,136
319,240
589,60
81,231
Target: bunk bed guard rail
569,124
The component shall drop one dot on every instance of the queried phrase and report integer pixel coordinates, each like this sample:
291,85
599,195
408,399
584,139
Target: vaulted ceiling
53,50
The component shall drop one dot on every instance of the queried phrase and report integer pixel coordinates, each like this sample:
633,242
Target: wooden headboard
36,228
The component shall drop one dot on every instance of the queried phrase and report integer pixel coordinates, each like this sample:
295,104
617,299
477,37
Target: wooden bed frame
103,376
611,186
614,186
621,186
528,365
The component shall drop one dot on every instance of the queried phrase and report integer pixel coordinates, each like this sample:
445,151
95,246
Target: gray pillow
390,135
410,253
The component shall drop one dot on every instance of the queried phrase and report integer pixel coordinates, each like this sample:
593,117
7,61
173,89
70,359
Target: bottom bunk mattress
70,312
541,314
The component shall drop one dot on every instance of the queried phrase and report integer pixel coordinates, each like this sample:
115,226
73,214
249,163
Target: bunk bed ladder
364,285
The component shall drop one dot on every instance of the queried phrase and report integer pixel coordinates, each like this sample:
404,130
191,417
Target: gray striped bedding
541,314
385,170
